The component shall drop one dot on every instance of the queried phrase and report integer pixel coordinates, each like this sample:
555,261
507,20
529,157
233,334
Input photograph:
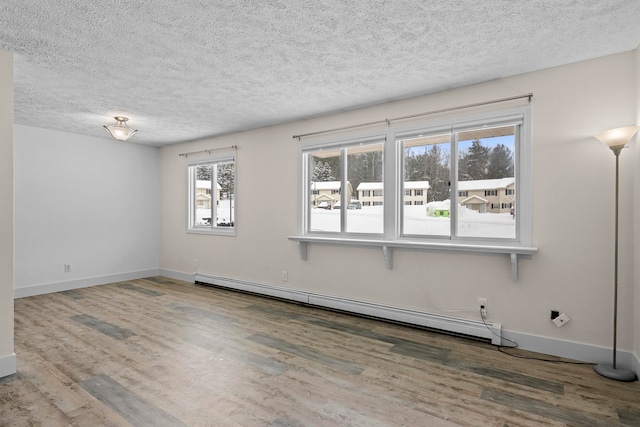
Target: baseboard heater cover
447,324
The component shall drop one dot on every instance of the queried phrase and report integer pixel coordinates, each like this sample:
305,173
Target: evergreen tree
474,163
226,179
500,162
438,174
364,167
432,165
322,172
203,172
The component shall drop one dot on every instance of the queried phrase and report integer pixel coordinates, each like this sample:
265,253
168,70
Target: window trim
305,170
519,247
191,202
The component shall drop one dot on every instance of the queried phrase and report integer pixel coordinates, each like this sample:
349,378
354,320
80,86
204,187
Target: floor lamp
616,139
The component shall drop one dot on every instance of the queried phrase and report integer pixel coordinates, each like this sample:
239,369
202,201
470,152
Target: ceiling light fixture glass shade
616,139
120,130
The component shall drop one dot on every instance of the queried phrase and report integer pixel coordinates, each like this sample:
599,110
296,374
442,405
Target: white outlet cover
561,320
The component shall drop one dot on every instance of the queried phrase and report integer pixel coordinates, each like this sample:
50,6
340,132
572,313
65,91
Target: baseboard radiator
489,332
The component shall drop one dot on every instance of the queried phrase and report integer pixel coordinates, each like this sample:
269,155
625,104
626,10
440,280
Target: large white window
461,183
344,187
212,196
483,174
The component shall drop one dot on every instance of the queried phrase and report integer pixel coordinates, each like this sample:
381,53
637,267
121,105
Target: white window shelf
387,246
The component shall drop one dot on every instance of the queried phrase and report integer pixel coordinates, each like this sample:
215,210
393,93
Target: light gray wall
84,201
7,358
572,216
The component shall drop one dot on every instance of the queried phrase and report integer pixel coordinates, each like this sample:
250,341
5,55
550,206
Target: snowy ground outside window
369,220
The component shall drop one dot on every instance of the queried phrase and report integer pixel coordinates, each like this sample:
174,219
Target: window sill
515,252
213,232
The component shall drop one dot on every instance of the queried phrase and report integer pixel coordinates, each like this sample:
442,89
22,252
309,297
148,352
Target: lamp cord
503,348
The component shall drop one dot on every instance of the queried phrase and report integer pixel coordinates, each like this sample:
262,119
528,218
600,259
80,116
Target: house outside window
334,167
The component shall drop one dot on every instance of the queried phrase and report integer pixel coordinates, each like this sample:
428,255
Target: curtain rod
235,147
388,121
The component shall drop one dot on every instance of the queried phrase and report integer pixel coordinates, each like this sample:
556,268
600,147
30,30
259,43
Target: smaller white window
212,196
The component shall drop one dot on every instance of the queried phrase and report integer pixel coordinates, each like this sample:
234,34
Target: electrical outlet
285,275
67,268
561,320
482,305
195,262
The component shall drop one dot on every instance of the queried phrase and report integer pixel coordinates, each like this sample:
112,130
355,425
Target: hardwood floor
156,352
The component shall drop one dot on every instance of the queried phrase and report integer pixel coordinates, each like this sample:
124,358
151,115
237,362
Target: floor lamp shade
616,139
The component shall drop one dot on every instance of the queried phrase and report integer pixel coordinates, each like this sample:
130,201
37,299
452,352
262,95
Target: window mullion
393,187
343,190
214,195
453,187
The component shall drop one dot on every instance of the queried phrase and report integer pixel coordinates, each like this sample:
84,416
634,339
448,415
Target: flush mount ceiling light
120,130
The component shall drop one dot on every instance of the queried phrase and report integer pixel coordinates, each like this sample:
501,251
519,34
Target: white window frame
392,238
305,178
212,228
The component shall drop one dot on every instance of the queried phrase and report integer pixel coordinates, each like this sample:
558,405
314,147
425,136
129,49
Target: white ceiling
215,67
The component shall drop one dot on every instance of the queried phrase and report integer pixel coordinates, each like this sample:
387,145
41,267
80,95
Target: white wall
572,218
7,357
84,201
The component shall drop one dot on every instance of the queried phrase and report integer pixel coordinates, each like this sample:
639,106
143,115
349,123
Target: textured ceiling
215,67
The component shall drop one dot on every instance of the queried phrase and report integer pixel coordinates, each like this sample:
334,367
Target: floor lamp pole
606,370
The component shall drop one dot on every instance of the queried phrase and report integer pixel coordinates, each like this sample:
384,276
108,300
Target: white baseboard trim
572,350
7,365
27,291
177,275
539,344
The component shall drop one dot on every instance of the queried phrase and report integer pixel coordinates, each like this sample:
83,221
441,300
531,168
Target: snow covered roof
408,185
416,185
326,185
325,197
473,199
364,186
485,184
202,183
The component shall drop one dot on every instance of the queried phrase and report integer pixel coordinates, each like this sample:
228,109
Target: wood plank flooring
160,352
